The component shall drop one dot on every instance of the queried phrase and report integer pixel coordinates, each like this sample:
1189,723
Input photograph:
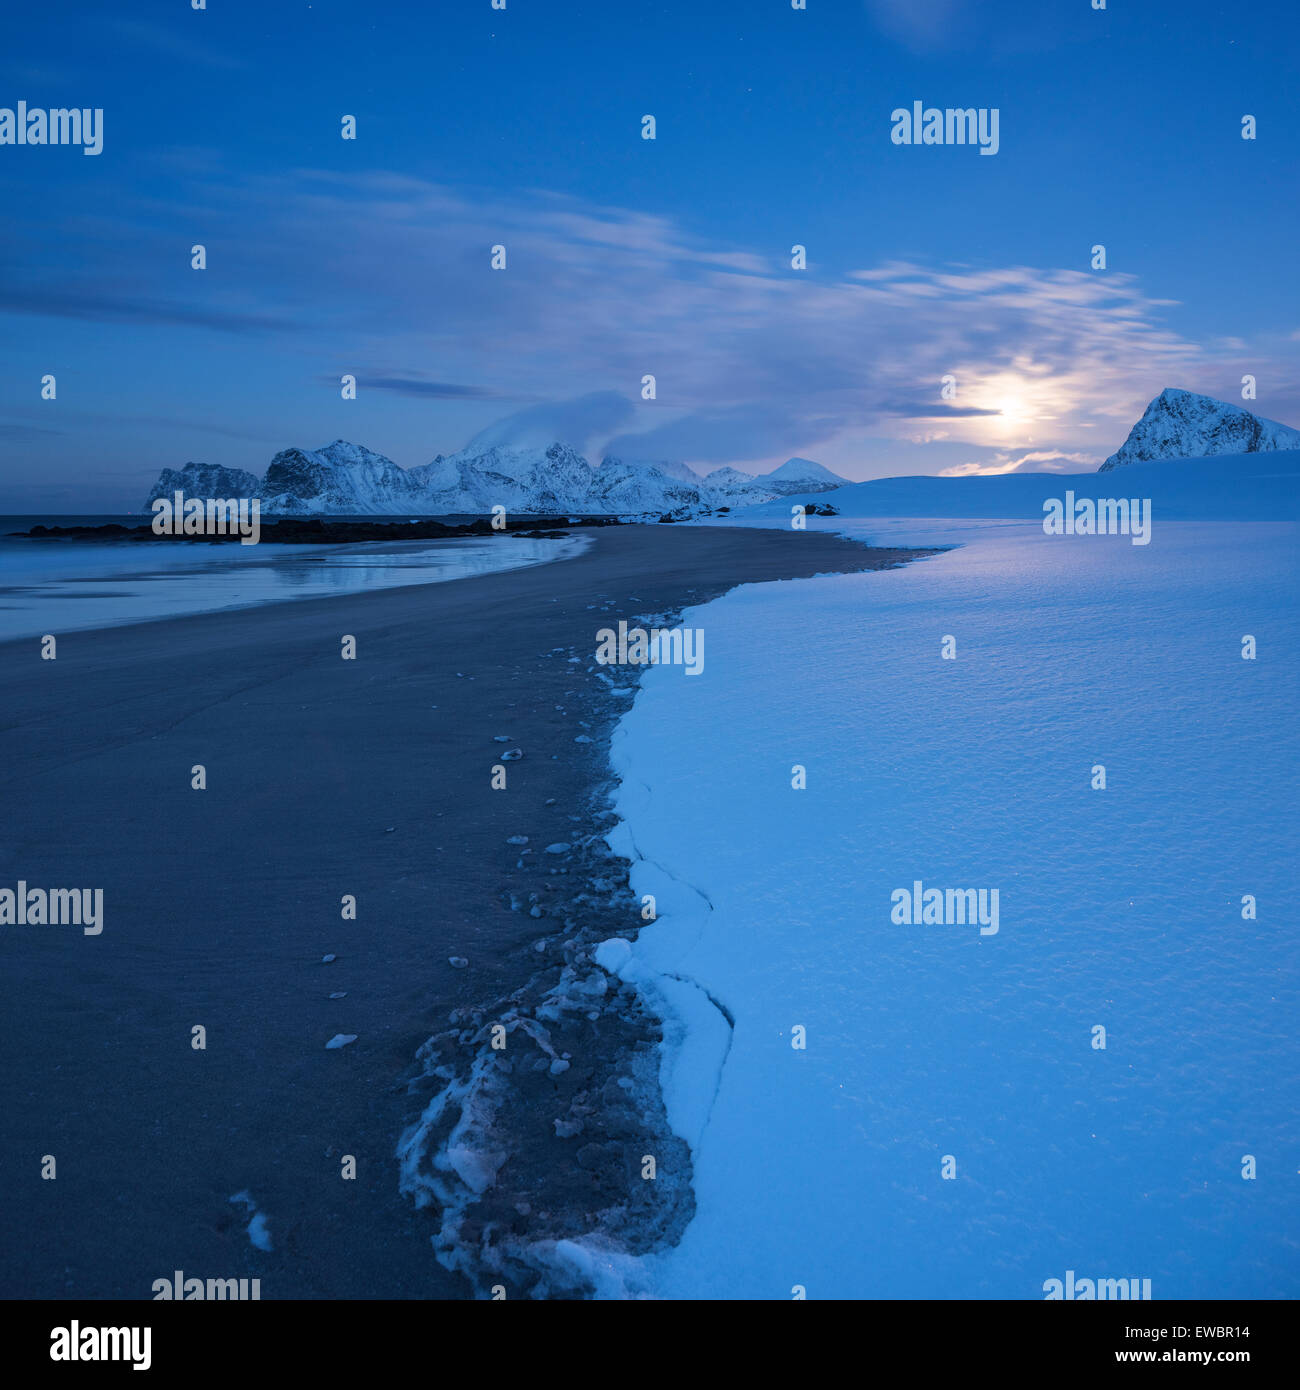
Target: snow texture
1122,908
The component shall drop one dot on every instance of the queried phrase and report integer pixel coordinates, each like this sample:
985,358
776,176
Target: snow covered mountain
1182,424
347,479
341,477
802,475
204,480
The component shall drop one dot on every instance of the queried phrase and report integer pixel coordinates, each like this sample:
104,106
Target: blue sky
626,256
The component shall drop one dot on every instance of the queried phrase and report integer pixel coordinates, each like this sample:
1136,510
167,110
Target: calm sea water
62,585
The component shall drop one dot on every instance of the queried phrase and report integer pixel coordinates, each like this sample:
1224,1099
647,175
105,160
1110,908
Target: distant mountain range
1181,424
349,479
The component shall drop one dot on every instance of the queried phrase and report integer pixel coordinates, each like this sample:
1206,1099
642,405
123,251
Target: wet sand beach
324,778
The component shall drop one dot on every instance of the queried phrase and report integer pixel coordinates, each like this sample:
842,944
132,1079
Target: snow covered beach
930,1048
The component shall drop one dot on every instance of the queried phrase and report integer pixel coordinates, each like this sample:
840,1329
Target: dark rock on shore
314,531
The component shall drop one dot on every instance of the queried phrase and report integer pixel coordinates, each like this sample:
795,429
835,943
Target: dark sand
219,904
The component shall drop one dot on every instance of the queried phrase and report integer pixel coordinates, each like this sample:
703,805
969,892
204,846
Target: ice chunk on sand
613,955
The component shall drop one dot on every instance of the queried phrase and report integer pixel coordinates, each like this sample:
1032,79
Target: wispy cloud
751,359
934,410
17,433
1036,461
928,27
586,422
92,304
175,45
415,386
921,25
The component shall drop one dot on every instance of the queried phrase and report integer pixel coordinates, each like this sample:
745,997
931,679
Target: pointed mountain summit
799,475
805,471
1182,424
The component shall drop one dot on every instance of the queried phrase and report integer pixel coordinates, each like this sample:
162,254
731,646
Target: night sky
626,257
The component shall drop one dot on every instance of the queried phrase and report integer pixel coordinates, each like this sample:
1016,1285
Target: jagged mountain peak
204,480
346,478
726,476
342,451
1184,424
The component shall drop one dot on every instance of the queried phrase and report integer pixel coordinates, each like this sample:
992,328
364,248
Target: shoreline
162,582
325,778
316,530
